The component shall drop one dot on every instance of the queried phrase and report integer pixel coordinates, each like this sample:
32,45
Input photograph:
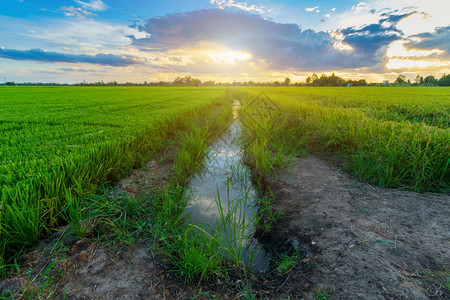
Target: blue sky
224,40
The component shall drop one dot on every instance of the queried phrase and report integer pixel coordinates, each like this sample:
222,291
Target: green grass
386,136
322,294
61,141
440,274
286,262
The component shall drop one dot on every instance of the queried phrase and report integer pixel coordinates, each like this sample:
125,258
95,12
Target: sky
70,41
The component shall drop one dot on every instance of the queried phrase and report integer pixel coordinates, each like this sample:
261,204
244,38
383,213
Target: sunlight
396,63
339,44
397,49
229,57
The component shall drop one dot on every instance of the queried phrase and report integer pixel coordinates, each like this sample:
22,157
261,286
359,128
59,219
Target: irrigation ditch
224,200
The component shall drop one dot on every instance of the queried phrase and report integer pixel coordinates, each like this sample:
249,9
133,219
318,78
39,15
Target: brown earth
154,176
356,241
367,242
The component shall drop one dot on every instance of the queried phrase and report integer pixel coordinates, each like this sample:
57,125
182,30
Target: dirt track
368,242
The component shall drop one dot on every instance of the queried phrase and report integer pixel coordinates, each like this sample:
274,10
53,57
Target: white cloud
370,11
85,10
360,6
78,36
309,9
240,5
328,15
70,11
95,5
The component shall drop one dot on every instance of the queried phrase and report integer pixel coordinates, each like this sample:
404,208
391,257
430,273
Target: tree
187,81
287,81
323,80
418,80
401,79
308,80
362,82
314,79
445,80
334,80
209,83
430,80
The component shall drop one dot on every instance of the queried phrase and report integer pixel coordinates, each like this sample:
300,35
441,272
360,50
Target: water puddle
223,198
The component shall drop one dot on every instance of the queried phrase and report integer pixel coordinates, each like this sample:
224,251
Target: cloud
393,18
360,6
328,15
45,56
95,5
373,40
73,35
279,46
85,10
70,11
439,39
309,9
222,4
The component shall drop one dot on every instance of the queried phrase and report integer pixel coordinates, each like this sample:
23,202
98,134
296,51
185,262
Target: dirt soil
154,176
356,242
367,242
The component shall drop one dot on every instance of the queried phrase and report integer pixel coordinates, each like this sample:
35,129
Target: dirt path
367,242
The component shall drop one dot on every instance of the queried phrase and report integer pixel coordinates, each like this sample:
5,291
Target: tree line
313,80
333,80
421,81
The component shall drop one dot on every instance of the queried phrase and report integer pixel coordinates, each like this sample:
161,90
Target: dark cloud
439,39
370,42
391,17
281,46
41,55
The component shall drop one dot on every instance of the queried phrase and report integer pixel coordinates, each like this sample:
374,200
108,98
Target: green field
392,137
60,142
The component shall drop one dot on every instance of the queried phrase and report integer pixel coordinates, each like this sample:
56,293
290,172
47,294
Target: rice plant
397,140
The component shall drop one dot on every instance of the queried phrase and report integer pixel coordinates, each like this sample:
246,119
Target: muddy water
224,191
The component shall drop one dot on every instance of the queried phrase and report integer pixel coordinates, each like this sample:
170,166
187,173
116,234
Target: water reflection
225,185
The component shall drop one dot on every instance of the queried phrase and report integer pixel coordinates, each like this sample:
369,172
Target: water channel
223,198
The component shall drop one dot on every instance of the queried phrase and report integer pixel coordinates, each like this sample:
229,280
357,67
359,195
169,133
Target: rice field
391,137
57,143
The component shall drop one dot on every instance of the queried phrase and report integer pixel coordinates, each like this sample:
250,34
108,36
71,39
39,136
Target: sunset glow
229,57
73,41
